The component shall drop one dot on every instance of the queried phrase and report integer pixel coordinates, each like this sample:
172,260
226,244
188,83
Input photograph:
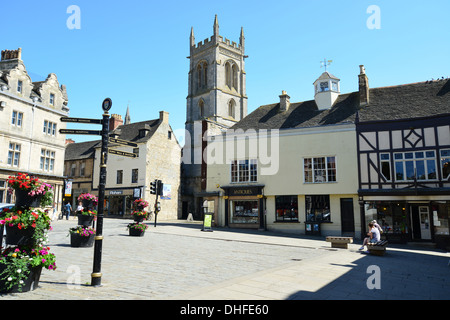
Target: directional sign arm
87,132
81,120
123,142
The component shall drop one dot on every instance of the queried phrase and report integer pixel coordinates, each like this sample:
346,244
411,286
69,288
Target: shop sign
247,191
116,192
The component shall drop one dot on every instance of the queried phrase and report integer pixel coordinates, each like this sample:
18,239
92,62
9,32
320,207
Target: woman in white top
373,235
80,207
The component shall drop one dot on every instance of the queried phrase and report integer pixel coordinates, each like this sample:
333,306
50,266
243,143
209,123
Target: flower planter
29,284
84,220
138,218
23,200
77,241
87,203
136,232
22,237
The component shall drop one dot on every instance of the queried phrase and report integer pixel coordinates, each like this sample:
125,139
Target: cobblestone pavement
177,261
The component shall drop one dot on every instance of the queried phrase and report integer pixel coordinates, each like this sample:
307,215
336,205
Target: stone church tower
216,101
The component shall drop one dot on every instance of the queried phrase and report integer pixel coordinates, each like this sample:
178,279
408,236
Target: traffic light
153,187
159,187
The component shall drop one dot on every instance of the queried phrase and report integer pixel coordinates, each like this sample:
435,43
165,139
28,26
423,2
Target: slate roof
129,132
386,103
81,150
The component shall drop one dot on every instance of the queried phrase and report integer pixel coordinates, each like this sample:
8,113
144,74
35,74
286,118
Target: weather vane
325,63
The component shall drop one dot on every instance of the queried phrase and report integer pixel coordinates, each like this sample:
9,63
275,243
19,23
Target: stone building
158,157
30,115
216,101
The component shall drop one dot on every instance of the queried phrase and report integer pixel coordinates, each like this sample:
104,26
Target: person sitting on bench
373,236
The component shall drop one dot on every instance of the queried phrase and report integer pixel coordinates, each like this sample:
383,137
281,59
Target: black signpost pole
96,276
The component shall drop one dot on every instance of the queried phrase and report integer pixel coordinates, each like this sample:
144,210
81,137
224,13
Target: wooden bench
339,242
377,248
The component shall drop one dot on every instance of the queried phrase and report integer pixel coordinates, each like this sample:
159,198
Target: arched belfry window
228,74
235,77
201,108
202,74
232,108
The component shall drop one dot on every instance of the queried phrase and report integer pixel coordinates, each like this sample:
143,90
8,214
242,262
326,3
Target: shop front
410,219
119,202
244,206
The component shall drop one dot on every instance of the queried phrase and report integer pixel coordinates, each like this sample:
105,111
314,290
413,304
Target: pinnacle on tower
242,38
216,26
192,38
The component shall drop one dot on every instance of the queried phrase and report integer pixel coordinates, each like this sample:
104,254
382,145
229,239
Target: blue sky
135,51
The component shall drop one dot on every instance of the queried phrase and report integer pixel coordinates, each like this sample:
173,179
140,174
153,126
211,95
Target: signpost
96,276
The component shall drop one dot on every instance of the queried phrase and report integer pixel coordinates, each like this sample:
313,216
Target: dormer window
19,86
52,99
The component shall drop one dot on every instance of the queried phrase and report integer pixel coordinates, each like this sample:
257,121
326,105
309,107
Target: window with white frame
319,170
52,99
47,161
445,164
419,164
49,128
19,86
14,154
244,171
17,118
385,166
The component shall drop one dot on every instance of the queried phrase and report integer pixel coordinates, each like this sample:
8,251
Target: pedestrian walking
68,209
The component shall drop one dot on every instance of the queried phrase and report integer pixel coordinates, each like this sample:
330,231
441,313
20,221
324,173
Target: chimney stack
115,121
284,101
363,87
164,117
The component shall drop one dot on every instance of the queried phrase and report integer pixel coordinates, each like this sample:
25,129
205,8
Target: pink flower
43,260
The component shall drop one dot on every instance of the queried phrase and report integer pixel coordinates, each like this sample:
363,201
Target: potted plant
137,229
140,204
139,216
20,267
88,200
25,226
82,236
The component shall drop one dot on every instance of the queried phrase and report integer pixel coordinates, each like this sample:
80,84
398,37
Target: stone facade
30,115
216,101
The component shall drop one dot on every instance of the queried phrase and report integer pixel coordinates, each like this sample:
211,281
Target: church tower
216,101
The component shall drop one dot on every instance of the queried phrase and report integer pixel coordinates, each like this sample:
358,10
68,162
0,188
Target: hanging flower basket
140,204
88,200
82,237
137,229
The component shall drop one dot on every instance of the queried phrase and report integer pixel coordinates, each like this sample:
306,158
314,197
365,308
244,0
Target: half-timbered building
403,143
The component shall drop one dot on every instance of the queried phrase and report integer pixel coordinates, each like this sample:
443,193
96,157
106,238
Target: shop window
244,211
441,215
286,208
391,216
317,208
